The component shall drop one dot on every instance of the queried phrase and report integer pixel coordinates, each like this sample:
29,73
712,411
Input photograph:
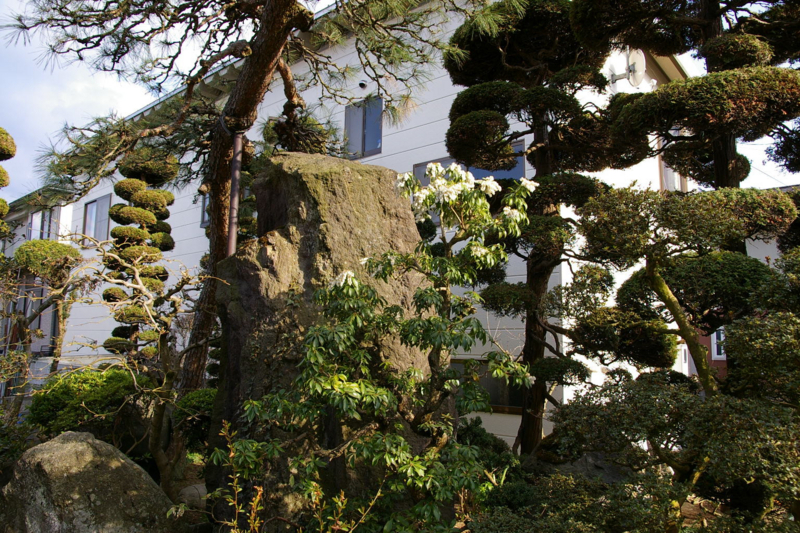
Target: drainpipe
236,176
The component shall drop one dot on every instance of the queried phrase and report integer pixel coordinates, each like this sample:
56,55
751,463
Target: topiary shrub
151,165
131,314
126,215
193,417
4,179
162,241
128,235
117,345
150,200
126,188
162,214
154,271
149,335
123,332
495,454
148,352
140,254
161,227
153,285
8,148
50,260
733,50
86,401
169,198
114,294
3,207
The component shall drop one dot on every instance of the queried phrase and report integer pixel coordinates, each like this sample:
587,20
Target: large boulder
317,218
76,484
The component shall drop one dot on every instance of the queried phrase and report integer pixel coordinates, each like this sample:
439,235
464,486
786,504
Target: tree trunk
278,19
59,315
539,269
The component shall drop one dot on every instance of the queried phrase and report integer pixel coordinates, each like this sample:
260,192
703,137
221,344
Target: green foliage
566,188
3,206
161,227
151,165
114,294
4,179
140,254
89,400
8,148
127,235
153,285
50,260
493,452
132,314
125,215
154,271
193,416
126,188
736,50
506,299
162,241
149,335
117,345
150,200
654,25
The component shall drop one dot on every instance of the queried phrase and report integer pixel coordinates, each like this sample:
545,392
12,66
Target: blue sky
38,100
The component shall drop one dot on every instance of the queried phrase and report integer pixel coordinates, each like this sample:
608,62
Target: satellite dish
635,69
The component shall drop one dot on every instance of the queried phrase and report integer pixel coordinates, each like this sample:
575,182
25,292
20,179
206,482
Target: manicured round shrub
162,241
128,235
8,148
148,335
114,294
50,260
126,188
132,314
153,285
736,51
140,254
161,214
150,200
148,352
154,271
4,179
168,196
3,208
86,401
127,215
193,417
161,227
151,165
117,345
124,332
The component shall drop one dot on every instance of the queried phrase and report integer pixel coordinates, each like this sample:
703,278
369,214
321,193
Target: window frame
717,348
98,219
359,112
493,408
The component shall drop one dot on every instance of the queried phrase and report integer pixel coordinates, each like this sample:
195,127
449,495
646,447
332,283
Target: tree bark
279,18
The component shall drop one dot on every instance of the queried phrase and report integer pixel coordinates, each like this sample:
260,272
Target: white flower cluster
448,184
403,180
528,184
488,186
512,214
345,278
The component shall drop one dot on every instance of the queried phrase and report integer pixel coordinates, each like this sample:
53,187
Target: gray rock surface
194,496
78,484
317,218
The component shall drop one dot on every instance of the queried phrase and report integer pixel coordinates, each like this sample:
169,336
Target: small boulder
75,484
194,496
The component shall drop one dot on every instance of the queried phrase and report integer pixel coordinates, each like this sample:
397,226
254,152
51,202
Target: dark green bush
141,254
125,189
150,200
86,401
161,227
50,260
151,165
162,241
114,294
129,235
117,345
193,417
495,454
127,215
8,148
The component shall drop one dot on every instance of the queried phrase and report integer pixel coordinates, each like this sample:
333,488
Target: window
515,173
503,397
363,126
95,218
717,345
205,217
40,225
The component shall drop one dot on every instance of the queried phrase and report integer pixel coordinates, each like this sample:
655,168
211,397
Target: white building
406,147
